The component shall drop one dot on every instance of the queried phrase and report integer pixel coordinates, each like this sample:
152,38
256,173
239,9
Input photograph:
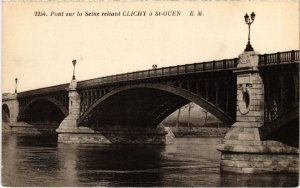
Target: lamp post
74,63
16,80
249,21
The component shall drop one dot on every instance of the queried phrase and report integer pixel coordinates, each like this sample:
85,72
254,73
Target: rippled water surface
40,161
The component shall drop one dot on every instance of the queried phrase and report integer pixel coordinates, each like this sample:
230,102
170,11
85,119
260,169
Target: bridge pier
243,149
69,125
12,106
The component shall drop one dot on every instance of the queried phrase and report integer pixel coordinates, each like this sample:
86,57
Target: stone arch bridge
256,94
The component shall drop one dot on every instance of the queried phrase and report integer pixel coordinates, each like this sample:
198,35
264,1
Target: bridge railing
165,71
51,89
279,58
265,59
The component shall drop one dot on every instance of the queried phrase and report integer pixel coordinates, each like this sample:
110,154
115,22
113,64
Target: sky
39,50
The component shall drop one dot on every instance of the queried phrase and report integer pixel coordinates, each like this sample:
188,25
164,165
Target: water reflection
24,161
116,165
262,180
40,161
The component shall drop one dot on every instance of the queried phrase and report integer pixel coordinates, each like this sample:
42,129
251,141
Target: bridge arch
51,102
179,92
5,113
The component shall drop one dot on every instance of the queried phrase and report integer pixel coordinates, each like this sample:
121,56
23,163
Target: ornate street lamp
16,80
74,63
249,21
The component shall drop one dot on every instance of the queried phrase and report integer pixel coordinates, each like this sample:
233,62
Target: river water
41,161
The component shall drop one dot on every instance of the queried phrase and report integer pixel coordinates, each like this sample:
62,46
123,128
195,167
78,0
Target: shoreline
199,131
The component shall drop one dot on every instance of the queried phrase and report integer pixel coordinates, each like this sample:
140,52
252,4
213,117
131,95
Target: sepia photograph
150,94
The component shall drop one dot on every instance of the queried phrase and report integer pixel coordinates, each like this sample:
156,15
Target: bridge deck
211,66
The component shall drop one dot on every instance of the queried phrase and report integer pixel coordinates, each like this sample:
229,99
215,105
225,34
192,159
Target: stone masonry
242,149
13,105
70,122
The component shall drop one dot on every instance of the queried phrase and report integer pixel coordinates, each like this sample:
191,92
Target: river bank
199,131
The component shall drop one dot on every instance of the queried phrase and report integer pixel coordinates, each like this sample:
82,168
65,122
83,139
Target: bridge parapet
226,64
43,91
202,67
279,58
